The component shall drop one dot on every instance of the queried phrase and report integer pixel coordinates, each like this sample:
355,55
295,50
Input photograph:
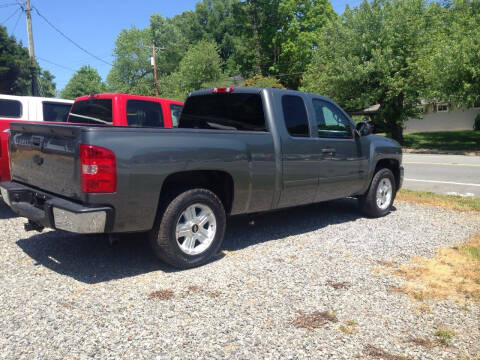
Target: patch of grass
165,294
347,330
314,320
422,308
466,140
349,327
451,272
448,202
472,250
378,353
444,336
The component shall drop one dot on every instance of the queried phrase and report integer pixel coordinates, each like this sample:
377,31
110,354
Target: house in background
441,117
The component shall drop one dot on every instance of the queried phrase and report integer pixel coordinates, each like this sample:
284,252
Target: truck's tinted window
224,111
94,111
175,112
143,113
55,111
10,108
330,120
295,115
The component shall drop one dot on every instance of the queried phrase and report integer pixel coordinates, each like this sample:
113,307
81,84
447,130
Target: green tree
46,84
371,55
15,66
297,38
131,71
85,81
201,64
262,81
450,61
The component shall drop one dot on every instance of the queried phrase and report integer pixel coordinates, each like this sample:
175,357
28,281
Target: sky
94,25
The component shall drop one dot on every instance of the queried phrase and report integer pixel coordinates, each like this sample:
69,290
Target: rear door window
94,111
295,115
10,108
175,113
224,111
53,111
141,113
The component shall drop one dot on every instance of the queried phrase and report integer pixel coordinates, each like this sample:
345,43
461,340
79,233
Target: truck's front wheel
190,230
378,200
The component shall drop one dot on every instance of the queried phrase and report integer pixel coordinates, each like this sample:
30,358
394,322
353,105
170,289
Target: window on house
442,107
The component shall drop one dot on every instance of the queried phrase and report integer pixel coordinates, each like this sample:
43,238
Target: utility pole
153,61
31,49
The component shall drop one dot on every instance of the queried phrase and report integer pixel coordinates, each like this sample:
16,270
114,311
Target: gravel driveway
65,296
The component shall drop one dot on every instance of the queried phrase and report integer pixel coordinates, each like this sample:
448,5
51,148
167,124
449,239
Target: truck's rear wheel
378,200
190,230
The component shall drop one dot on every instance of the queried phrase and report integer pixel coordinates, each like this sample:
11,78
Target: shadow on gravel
279,224
91,259
5,211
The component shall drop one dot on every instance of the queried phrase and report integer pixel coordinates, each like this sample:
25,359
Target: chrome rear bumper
51,211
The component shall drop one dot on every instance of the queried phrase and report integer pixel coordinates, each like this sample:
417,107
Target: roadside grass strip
452,272
449,202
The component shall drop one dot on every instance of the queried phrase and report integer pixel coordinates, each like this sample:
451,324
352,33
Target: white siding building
441,118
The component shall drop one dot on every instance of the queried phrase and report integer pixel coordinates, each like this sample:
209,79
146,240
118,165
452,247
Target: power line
69,39
12,15
7,5
51,62
16,23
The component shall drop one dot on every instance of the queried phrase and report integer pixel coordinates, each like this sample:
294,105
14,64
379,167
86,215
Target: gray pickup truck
236,151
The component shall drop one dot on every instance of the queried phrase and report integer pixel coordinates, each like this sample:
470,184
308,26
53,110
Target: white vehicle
32,108
26,108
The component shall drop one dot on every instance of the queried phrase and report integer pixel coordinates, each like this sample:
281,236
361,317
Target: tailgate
45,156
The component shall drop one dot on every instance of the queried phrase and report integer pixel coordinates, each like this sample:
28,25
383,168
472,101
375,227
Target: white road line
439,163
443,182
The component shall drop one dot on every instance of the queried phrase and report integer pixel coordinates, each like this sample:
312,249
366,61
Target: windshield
94,111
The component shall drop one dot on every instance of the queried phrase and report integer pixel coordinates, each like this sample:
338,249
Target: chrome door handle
328,151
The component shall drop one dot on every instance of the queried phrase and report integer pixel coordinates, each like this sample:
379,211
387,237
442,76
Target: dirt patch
378,353
314,320
426,343
451,272
338,285
448,202
165,294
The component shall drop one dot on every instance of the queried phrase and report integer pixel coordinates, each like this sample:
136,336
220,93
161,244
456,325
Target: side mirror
364,128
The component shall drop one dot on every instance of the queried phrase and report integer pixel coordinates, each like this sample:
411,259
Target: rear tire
378,200
190,230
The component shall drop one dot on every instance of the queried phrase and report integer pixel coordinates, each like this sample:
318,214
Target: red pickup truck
125,110
107,109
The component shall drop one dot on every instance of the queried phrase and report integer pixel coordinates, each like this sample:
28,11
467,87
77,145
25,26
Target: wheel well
219,182
393,165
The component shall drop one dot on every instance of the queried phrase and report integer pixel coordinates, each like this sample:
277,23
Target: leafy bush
476,124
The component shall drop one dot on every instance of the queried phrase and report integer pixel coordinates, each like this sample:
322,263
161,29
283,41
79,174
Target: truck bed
46,157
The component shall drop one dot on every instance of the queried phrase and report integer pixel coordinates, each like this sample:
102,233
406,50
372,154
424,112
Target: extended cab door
301,153
340,173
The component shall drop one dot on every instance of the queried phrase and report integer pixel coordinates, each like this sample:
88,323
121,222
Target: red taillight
98,169
222,90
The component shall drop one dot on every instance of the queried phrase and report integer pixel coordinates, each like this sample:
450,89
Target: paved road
444,174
